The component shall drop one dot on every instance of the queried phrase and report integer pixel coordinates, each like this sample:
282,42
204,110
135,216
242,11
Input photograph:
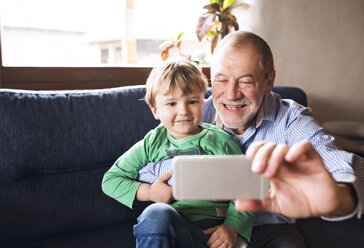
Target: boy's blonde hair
181,73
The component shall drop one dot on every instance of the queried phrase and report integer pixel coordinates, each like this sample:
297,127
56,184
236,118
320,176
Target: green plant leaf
215,1
212,33
227,4
180,35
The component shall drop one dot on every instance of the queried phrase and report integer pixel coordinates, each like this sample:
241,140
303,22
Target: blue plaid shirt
287,122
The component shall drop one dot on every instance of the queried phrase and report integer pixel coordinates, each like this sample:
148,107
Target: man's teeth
233,107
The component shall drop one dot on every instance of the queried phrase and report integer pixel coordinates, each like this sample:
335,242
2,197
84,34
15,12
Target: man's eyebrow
219,74
246,75
242,76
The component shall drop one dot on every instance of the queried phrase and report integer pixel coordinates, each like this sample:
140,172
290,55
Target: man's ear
270,81
154,112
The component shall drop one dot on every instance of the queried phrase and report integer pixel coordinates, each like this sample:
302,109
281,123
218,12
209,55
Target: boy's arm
120,181
242,222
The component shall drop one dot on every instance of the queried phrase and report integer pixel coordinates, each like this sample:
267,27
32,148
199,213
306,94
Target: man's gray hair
240,39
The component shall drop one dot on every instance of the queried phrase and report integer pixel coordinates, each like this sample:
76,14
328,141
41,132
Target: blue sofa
56,146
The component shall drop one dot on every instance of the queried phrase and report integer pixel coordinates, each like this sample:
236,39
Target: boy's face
180,114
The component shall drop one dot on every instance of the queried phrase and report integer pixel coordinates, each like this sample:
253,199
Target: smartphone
216,177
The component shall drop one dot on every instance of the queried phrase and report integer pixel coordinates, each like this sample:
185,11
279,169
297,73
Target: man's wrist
347,201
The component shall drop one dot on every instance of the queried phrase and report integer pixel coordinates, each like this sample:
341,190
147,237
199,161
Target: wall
317,46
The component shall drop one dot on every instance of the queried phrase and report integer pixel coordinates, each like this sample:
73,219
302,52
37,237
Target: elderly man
242,103
309,176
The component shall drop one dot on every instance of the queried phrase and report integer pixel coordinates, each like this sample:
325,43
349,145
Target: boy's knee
158,212
159,217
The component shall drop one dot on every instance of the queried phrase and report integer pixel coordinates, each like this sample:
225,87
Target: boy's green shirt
120,181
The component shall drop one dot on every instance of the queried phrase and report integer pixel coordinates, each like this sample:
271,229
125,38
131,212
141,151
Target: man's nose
232,91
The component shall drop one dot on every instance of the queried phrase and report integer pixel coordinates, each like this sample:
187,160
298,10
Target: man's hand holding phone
301,186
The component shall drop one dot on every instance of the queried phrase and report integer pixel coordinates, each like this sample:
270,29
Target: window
94,32
76,44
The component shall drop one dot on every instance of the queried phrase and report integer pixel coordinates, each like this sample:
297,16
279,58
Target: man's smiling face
238,86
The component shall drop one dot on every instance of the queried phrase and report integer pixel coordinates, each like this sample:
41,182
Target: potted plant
213,25
217,22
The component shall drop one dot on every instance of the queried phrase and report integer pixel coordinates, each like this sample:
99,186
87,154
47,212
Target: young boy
175,95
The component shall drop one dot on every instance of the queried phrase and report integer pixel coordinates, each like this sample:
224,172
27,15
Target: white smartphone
216,177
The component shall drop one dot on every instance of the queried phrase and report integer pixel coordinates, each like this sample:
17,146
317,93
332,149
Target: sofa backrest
54,150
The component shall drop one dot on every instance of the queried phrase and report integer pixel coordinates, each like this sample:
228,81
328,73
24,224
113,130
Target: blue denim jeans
160,225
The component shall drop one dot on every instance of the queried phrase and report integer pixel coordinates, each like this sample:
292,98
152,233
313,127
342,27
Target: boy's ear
155,112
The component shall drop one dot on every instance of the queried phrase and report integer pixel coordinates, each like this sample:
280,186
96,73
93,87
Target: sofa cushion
55,148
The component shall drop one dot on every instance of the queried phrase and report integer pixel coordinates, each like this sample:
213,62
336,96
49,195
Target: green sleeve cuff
242,222
129,199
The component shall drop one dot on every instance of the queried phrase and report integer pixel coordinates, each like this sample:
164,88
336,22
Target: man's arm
339,163
154,170
301,186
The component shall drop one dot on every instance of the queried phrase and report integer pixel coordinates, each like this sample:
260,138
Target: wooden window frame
67,78
62,78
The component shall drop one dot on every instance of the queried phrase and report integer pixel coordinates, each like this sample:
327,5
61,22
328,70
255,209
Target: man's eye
246,83
220,80
193,102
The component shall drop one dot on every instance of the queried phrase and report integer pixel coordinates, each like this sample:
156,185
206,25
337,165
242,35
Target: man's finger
253,148
262,156
302,148
244,205
276,160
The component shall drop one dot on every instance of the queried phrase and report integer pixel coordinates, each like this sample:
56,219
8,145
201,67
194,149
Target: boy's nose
183,109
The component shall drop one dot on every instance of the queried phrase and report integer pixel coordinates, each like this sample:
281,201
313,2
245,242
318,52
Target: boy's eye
193,102
171,104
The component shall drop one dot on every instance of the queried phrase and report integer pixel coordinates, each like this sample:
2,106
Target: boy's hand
221,236
160,191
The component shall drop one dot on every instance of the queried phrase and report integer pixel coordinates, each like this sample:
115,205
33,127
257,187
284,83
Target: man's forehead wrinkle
231,69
